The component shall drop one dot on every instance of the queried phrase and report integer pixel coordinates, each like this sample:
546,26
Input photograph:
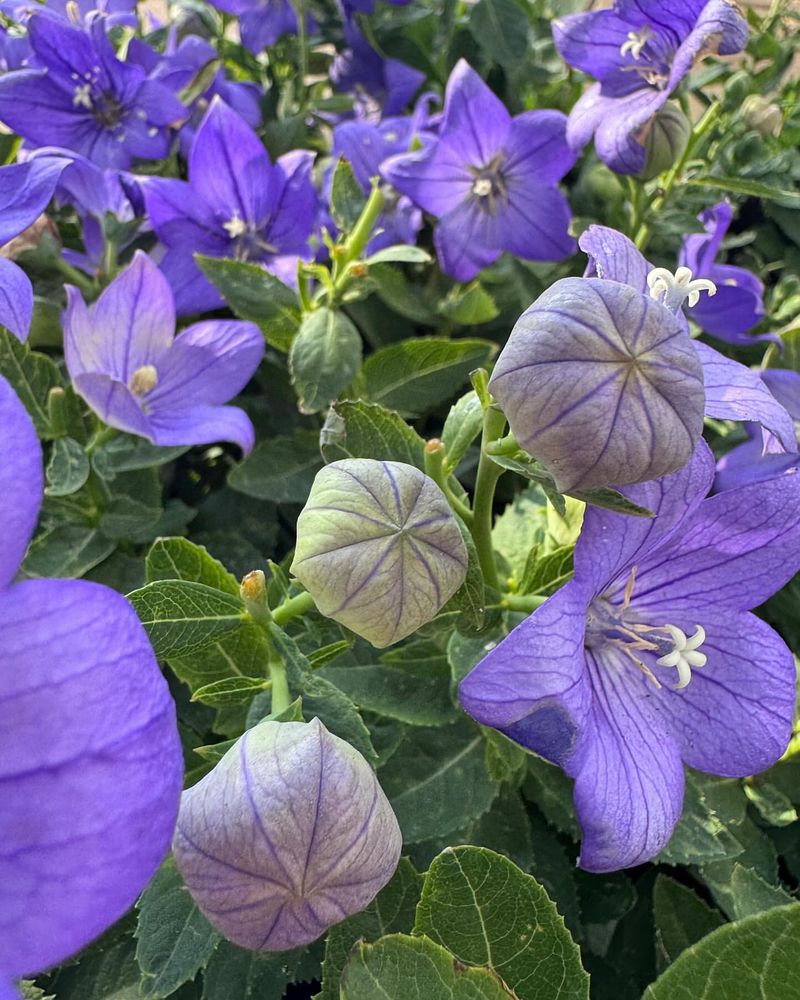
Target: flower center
672,290
248,242
143,380
489,184
636,41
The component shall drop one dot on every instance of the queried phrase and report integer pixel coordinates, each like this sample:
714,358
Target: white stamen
82,97
152,131
143,380
482,187
235,226
636,42
671,290
685,656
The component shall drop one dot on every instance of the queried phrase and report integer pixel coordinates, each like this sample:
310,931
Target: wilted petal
21,482
614,257
601,384
378,548
201,424
88,813
289,834
16,299
720,28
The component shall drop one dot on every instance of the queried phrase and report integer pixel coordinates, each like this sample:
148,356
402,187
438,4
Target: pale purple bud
289,834
378,548
601,384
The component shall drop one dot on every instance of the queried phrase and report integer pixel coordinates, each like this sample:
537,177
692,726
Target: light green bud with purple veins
665,142
288,835
378,548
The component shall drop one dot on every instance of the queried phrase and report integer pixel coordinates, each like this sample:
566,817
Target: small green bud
666,140
737,88
762,115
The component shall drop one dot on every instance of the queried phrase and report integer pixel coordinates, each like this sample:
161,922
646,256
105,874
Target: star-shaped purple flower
235,204
380,85
88,812
490,180
262,22
638,51
649,658
81,97
124,359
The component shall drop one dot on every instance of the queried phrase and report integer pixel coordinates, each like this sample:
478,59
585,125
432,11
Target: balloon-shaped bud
601,384
289,834
378,548
665,142
762,115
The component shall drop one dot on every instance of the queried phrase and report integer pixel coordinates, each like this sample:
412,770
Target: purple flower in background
639,51
350,8
72,11
81,97
263,22
235,204
649,657
738,303
124,359
25,190
289,834
732,391
88,813
490,180
381,86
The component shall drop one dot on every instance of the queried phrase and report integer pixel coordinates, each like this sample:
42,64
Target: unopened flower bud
666,140
601,384
378,548
762,115
289,834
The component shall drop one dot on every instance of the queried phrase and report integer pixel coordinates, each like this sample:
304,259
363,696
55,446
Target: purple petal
735,716
476,123
181,219
25,191
201,424
16,299
193,292
736,307
618,125
21,482
785,387
700,249
537,147
209,362
534,222
113,402
720,29
295,204
533,685
627,769
591,42
437,178
734,392
614,257
467,240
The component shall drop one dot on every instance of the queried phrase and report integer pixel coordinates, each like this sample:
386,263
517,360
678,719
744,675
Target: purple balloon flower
490,180
25,190
649,658
732,391
738,303
88,812
235,204
263,22
124,359
70,11
381,86
639,51
81,97
289,834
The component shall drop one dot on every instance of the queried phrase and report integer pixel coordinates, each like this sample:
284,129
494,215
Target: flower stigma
636,41
672,290
235,226
143,380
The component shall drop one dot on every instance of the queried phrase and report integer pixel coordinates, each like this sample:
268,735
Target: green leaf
180,559
610,499
241,654
126,453
67,468
399,254
404,297
437,782
235,974
347,197
751,893
681,917
355,429
500,27
470,598
487,912
506,761
463,425
469,305
183,618
107,969
414,375
743,185
751,959
546,572
773,806
551,791
31,376
67,550
704,830
281,469
324,358
399,967
392,911
256,295
174,938
757,855
322,656
230,690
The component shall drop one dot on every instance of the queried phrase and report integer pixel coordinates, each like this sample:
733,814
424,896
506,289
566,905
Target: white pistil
143,380
82,96
636,42
482,187
671,290
235,226
685,656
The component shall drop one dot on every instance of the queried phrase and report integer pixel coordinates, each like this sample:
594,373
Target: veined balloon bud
289,834
762,115
666,140
601,384
378,548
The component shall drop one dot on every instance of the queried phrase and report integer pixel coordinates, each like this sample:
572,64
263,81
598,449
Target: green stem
254,594
526,603
489,472
100,437
356,242
293,608
435,454
78,278
302,41
281,695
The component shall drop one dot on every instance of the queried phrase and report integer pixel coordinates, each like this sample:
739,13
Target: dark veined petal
601,384
592,41
21,482
614,257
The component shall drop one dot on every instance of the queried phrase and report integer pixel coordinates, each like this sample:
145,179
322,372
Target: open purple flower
732,391
263,22
639,51
88,813
738,303
70,11
25,190
380,85
235,204
490,180
81,97
649,658
124,359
